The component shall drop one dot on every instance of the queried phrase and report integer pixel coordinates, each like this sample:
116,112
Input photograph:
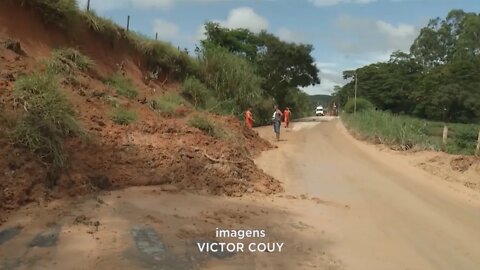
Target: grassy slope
404,132
161,56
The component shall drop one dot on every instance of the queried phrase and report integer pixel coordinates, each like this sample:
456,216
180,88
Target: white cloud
165,29
364,36
330,75
245,17
200,34
152,4
328,3
104,5
400,31
288,35
325,88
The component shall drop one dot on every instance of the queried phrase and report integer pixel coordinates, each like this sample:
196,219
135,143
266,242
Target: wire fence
128,19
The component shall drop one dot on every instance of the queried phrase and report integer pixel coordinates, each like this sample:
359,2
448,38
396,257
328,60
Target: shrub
123,86
48,119
232,79
195,91
207,125
67,60
101,25
168,104
122,116
362,105
463,140
399,131
262,111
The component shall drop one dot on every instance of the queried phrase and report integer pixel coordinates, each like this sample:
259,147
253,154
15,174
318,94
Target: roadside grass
123,86
405,132
67,60
196,92
169,105
204,123
101,25
48,118
122,116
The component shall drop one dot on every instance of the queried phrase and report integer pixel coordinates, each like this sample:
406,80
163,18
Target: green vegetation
404,132
437,80
239,69
197,92
231,80
234,68
101,25
362,105
60,12
48,118
168,104
122,116
67,60
399,131
162,57
123,86
204,123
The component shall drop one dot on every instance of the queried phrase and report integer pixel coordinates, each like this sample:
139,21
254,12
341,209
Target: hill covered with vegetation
437,79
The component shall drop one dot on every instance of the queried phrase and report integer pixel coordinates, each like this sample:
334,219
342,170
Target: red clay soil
21,23
153,151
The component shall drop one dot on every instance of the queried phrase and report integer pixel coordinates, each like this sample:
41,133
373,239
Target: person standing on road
287,114
249,118
277,122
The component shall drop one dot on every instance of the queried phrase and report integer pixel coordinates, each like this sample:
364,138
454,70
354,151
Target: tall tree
283,66
438,80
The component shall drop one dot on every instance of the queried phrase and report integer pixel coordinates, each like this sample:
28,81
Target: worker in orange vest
287,114
249,118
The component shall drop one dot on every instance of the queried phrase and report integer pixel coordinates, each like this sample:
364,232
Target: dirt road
347,205
399,216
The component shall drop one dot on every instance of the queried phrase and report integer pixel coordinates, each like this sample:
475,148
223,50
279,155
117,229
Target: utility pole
88,5
128,23
355,102
156,36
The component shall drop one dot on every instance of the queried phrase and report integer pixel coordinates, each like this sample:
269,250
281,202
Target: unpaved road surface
347,205
399,216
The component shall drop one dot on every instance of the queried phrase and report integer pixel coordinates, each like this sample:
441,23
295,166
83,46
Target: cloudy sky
346,34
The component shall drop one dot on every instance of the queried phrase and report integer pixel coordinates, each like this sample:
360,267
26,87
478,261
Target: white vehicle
319,111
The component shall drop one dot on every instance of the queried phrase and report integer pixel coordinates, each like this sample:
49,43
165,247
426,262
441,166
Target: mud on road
147,228
402,213
347,205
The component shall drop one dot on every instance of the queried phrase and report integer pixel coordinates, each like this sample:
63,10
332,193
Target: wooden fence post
478,145
445,136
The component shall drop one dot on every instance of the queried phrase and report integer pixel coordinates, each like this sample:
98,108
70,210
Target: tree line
438,79
241,69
